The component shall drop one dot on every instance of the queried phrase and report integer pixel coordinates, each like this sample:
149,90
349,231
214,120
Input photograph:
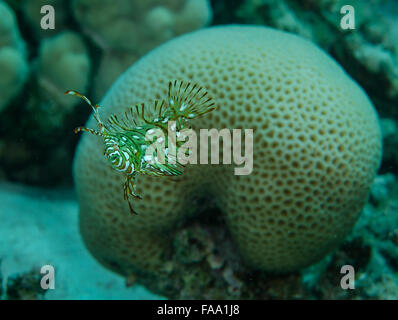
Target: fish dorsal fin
189,100
137,115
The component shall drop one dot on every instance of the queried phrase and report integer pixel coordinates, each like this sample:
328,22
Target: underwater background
93,43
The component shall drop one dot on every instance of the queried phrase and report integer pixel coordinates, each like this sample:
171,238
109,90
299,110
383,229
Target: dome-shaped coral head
128,141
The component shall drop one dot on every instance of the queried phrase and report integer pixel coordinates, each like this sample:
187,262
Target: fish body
126,138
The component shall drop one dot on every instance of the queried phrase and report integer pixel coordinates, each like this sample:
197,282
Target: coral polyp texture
317,147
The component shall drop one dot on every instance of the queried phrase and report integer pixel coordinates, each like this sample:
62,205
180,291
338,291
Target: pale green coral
138,26
317,148
13,64
369,52
129,29
63,64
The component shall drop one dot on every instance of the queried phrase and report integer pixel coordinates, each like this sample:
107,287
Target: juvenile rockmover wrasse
125,139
